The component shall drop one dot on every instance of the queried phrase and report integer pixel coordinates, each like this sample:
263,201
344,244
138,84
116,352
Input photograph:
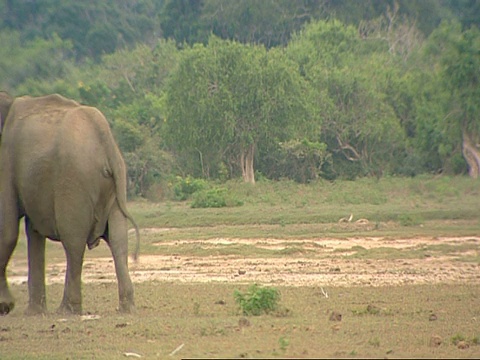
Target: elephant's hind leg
118,242
72,295
8,241
36,271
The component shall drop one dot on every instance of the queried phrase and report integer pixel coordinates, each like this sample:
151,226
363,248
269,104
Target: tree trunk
246,162
471,153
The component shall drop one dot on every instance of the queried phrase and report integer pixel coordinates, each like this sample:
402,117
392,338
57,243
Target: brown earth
327,264
339,299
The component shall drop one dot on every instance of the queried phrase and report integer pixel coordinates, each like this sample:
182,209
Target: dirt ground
340,298
327,264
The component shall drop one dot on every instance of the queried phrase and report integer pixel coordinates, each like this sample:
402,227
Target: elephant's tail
137,234
120,180
125,212
119,174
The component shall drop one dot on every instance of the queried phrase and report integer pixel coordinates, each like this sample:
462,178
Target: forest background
213,90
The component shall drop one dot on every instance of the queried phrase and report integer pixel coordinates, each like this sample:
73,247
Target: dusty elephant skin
60,169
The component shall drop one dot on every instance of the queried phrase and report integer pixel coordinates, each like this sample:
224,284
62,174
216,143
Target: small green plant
283,343
476,340
457,338
257,300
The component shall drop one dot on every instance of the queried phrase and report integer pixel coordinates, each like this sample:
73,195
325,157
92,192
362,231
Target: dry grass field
415,297
398,284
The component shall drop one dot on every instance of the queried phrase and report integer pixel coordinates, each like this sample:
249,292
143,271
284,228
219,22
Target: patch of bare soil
329,265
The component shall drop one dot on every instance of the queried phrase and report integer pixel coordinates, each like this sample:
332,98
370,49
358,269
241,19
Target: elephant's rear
62,167
62,170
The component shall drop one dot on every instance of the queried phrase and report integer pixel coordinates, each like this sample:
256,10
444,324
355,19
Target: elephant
61,170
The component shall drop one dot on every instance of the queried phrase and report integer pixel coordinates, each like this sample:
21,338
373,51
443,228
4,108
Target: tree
267,22
35,60
180,21
427,14
227,97
466,11
436,147
94,28
349,75
459,57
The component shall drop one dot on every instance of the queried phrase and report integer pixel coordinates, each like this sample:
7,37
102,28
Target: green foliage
128,89
183,188
35,59
93,28
283,343
137,128
267,22
374,90
148,165
359,125
447,103
460,338
476,340
257,300
211,198
215,197
181,20
227,97
300,160
457,338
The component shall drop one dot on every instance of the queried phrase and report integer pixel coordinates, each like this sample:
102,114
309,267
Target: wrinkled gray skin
60,169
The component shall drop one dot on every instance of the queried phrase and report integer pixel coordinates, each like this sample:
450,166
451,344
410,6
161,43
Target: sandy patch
332,266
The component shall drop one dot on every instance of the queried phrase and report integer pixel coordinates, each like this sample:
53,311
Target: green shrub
258,300
457,338
214,198
184,188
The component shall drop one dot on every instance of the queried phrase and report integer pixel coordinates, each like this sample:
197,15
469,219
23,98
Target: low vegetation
257,300
290,208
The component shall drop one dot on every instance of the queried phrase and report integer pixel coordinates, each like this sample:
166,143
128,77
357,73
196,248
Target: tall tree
459,56
227,97
348,73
